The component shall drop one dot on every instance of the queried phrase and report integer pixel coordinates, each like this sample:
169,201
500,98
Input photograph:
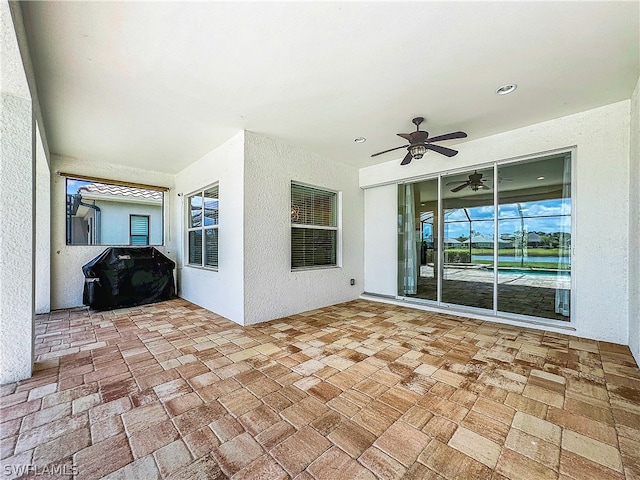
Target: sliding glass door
534,227
468,221
418,240
496,239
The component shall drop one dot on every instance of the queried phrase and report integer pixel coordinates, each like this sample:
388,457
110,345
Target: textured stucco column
16,212
634,226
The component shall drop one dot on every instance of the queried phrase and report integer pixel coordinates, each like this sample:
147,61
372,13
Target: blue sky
540,216
74,185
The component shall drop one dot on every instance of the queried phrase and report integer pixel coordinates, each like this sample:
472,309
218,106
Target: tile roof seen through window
120,191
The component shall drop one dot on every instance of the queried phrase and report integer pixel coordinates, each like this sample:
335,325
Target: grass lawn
461,255
531,252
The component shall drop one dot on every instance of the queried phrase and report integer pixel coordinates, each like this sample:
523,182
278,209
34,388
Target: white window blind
314,227
139,229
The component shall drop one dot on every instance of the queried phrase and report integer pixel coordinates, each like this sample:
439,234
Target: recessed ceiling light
506,89
540,178
360,140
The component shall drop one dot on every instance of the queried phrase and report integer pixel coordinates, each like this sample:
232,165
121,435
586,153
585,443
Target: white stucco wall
17,179
380,238
601,177
220,291
116,228
634,226
272,290
67,279
43,228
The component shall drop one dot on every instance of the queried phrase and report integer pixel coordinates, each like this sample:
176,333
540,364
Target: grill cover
127,276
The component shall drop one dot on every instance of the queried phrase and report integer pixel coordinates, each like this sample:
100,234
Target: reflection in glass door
534,222
531,240
468,233
418,240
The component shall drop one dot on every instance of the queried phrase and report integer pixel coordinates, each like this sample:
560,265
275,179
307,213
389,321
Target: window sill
320,267
199,267
116,245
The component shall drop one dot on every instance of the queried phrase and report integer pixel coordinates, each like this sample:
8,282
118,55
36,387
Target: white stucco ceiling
156,85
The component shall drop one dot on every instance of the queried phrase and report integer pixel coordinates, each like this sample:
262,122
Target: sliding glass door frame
440,247
440,252
496,237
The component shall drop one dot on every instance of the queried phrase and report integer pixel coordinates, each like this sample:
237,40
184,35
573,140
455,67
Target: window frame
202,228
337,203
93,228
131,235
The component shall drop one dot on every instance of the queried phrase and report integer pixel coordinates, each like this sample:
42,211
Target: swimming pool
511,258
530,271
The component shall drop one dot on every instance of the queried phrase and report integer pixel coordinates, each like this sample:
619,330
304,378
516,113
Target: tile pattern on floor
357,390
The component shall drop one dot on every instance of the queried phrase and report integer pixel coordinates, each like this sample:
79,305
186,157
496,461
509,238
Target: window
106,212
314,227
202,228
139,229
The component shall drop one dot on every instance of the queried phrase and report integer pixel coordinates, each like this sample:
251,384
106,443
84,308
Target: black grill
125,277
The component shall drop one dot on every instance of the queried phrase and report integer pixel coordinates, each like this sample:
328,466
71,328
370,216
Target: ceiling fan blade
407,159
442,150
460,187
448,136
390,150
456,183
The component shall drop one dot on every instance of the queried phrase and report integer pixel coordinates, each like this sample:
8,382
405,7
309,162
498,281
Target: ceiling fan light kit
419,143
417,151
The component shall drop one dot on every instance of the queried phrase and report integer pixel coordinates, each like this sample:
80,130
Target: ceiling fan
419,143
475,183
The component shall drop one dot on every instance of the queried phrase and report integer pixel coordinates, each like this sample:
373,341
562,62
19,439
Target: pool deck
479,273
